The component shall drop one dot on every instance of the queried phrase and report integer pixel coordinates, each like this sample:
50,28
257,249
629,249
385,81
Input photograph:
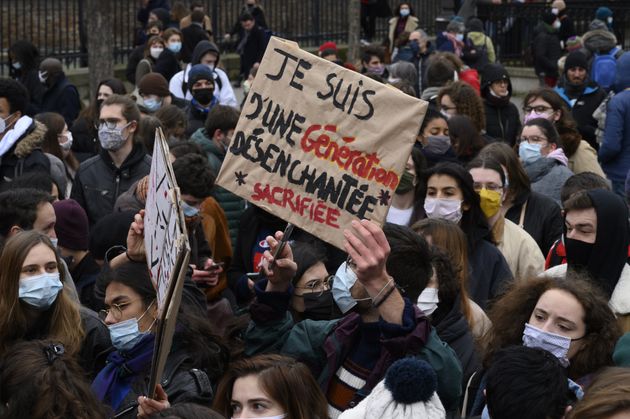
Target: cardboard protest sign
319,145
167,248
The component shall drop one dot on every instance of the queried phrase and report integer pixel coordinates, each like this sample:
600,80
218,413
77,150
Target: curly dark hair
15,93
194,175
510,313
467,101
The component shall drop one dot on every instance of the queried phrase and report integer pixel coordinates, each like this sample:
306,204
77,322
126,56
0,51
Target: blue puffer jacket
614,153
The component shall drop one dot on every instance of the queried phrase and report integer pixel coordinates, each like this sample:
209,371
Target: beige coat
585,160
410,26
519,249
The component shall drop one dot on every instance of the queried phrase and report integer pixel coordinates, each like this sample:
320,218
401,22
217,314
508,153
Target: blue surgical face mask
126,334
529,153
17,65
54,241
152,104
344,280
189,210
404,12
175,47
558,345
40,291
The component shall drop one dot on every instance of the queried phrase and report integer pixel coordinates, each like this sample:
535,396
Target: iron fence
512,26
57,27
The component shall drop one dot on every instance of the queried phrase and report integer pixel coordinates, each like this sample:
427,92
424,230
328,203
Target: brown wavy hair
448,237
64,322
518,181
38,383
608,395
468,102
510,313
285,380
566,126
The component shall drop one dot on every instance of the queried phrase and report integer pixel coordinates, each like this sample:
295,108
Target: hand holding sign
284,269
319,145
135,238
368,248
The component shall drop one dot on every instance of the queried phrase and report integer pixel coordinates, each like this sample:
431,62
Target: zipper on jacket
117,187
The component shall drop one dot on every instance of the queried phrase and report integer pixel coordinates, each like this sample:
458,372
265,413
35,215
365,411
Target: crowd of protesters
499,286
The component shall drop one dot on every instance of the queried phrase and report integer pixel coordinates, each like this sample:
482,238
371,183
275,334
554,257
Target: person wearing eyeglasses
101,179
196,359
377,290
547,103
543,159
520,250
312,297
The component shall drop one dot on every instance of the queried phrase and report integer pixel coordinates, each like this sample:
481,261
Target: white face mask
68,144
557,24
43,76
428,300
460,37
156,51
555,11
3,124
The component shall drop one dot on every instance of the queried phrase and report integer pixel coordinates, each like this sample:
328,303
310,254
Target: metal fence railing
512,25
58,28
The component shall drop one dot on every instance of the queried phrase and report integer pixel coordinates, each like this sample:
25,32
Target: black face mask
320,307
203,96
99,103
578,252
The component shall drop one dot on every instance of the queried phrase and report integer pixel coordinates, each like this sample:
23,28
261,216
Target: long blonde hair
64,324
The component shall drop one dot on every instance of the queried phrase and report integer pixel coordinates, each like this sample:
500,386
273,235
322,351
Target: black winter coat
25,155
543,219
192,35
98,182
180,382
547,51
84,139
452,327
582,108
253,50
502,121
96,343
63,98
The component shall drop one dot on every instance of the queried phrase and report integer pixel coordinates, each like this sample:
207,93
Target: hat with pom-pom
408,391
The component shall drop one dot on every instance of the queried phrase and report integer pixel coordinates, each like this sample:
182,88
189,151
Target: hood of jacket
33,139
201,138
478,38
202,49
599,41
623,73
541,167
430,92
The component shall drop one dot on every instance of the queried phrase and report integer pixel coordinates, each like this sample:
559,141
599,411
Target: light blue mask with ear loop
40,291
344,279
189,210
126,334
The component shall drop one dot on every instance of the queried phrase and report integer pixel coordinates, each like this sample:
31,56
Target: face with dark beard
576,75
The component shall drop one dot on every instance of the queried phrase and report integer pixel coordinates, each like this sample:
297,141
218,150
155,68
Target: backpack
474,56
604,68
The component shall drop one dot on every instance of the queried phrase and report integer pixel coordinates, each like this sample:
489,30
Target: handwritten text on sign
319,145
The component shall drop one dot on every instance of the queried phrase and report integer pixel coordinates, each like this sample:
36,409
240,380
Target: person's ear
217,134
556,115
15,229
553,146
133,126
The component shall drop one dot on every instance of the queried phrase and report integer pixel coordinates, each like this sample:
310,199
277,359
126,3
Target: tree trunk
354,30
100,41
